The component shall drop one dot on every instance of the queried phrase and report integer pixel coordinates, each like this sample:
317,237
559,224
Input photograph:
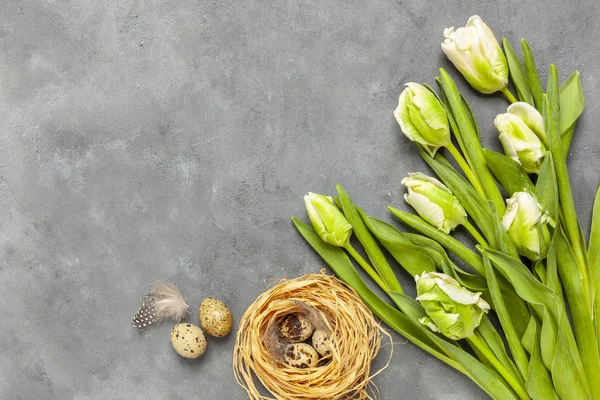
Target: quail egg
300,355
322,342
188,340
215,317
296,327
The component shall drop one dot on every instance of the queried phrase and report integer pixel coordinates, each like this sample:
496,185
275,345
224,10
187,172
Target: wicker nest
356,340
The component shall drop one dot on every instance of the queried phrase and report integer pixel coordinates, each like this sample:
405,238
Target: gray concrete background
175,138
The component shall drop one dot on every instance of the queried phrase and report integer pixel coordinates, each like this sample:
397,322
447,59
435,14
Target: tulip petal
403,118
428,210
429,323
530,116
432,112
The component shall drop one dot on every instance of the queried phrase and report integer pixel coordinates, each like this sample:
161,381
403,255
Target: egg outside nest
188,340
215,317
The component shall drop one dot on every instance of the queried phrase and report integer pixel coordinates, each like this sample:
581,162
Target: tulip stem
509,95
486,352
476,235
467,170
368,269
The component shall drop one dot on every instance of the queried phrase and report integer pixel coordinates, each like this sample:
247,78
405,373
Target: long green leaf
375,254
496,344
548,339
581,312
539,383
412,258
516,73
475,283
540,272
571,102
454,126
567,371
528,338
508,173
504,316
594,259
485,377
470,140
552,278
533,78
470,115
546,187
566,139
451,244
551,114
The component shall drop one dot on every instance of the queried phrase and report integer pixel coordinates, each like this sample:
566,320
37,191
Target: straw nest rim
357,339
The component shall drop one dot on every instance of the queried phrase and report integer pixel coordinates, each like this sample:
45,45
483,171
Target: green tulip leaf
412,258
509,173
504,316
533,77
516,73
546,187
451,244
368,242
571,102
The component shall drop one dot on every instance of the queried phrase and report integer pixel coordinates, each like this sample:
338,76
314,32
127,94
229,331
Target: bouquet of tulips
531,267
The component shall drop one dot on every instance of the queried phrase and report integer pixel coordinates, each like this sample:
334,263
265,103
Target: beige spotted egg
215,317
188,340
296,327
322,342
300,355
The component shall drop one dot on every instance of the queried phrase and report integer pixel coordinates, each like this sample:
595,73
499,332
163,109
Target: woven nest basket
356,338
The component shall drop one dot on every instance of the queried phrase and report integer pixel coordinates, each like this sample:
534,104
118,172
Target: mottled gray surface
175,138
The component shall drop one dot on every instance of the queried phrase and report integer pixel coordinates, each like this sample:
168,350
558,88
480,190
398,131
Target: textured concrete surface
145,139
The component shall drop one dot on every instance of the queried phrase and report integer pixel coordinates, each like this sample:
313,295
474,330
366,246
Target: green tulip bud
475,52
434,202
519,136
526,224
451,309
329,222
422,118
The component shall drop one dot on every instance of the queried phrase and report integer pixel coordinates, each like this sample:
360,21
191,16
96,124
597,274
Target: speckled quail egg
322,342
296,327
300,355
215,317
188,340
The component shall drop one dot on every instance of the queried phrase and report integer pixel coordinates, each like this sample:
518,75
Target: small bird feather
168,302
164,301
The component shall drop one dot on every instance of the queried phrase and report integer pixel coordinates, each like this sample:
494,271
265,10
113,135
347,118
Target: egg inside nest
296,327
322,342
300,355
